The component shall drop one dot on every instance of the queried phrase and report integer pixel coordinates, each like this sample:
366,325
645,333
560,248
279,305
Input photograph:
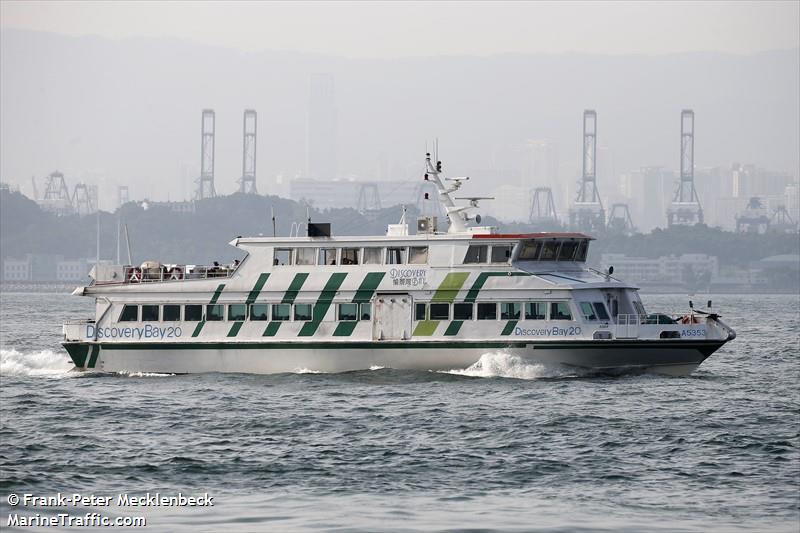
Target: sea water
500,446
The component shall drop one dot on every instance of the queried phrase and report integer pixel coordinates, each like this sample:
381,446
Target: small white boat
428,301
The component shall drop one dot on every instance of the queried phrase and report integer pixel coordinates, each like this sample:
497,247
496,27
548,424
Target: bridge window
600,309
550,251
588,311
366,311
215,312
395,256
193,313
372,256
305,256
281,312
171,313
535,310
327,256
501,253
302,312
530,250
462,311
476,253
283,256
348,311
567,250
149,313
130,313
487,311
560,311
259,312
583,247
417,255
440,311
237,312
419,311
350,256
510,311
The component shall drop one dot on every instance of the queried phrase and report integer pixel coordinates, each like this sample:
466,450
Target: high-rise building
321,128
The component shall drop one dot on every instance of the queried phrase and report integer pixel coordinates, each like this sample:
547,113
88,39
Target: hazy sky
393,29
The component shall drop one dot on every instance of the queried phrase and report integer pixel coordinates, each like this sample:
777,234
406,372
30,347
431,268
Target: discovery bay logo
148,331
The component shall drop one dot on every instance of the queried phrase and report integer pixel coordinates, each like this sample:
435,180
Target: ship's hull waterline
612,357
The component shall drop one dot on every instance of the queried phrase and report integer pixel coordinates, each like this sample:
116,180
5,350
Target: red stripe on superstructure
532,236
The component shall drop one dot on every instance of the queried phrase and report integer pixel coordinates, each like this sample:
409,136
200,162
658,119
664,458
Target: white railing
134,274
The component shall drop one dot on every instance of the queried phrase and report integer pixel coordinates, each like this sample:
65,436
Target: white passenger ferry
430,301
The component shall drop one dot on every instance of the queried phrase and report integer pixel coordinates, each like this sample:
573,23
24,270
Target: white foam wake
503,365
41,363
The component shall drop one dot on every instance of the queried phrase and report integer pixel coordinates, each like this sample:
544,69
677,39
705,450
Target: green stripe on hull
262,279
345,329
472,294
368,287
235,329
425,328
453,328
323,303
294,288
93,358
509,328
78,353
450,286
272,329
214,299
198,328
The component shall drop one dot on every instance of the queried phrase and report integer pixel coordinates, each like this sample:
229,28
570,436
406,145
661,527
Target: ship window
395,256
193,313
501,253
581,253
259,311
350,256
348,311
215,312
440,311
530,250
588,311
417,255
237,312
476,253
327,256
535,310
283,256
567,250
302,312
419,312
462,311
601,310
305,256
171,313
510,310
130,313
149,313
487,311
366,311
549,251
560,311
372,256
281,312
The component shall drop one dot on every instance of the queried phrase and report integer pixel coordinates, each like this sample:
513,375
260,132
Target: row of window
237,312
352,311
538,250
393,255
489,311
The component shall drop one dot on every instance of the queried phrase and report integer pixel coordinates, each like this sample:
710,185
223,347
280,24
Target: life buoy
136,275
176,273
689,319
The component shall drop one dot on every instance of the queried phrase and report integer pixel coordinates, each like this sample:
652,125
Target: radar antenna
455,214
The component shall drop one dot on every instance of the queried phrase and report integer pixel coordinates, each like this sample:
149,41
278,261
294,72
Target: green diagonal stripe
235,329
272,329
453,328
214,299
472,294
425,328
198,328
509,328
323,303
345,329
93,358
449,287
294,288
368,286
262,279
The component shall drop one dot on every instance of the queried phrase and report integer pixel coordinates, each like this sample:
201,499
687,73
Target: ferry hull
612,357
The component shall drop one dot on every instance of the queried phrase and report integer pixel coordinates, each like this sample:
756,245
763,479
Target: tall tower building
321,128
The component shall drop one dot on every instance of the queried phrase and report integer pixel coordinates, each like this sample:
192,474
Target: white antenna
128,243
97,259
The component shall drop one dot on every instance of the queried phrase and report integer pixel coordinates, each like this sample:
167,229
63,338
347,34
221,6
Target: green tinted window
348,311
281,312
171,313
302,312
259,312
237,312
215,312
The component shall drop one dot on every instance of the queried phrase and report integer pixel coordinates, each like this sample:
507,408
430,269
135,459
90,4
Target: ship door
392,317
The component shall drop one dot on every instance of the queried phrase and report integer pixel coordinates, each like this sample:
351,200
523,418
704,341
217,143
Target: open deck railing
134,274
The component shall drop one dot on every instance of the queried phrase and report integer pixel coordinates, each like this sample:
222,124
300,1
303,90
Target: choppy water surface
501,446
